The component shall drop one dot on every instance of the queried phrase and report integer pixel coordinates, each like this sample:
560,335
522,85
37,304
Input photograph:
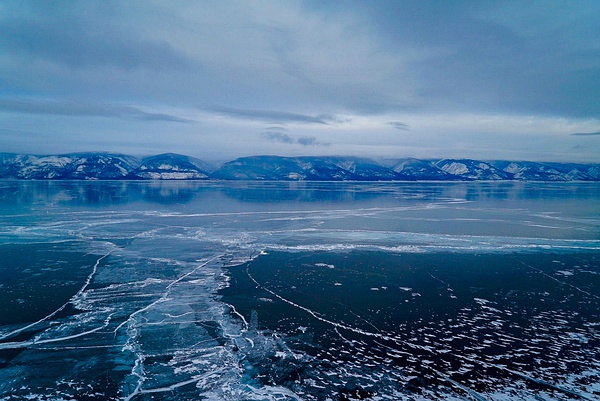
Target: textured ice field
124,291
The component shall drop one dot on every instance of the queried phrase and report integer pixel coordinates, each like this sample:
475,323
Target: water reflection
109,193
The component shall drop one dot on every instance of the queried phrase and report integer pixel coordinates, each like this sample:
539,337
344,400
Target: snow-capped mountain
416,169
101,166
360,169
260,168
473,169
170,166
305,168
550,171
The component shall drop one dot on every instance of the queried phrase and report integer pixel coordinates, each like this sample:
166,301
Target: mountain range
170,166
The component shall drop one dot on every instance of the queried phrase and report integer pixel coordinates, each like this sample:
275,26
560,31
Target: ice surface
141,314
446,335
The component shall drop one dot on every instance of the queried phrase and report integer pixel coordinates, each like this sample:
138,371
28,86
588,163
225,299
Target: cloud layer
82,109
392,77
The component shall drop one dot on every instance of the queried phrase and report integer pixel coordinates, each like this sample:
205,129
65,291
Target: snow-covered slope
415,169
305,168
102,166
473,169
170,166
550,171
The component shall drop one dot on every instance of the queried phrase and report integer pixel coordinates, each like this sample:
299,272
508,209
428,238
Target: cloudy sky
221,79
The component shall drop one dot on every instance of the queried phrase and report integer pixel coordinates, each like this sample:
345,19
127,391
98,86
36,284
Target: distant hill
170,166
304,168
76,166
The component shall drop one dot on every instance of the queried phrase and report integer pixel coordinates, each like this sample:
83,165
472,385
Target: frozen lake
299,291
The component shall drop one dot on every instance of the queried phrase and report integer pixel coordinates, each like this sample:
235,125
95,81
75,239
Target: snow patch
455,168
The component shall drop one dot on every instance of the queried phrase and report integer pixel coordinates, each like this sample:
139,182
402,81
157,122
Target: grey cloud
141,115
278,137
76,109
277,128
271,115
586,134
282,63
70,34
485,57
309,141
288,139
399,125
489,56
